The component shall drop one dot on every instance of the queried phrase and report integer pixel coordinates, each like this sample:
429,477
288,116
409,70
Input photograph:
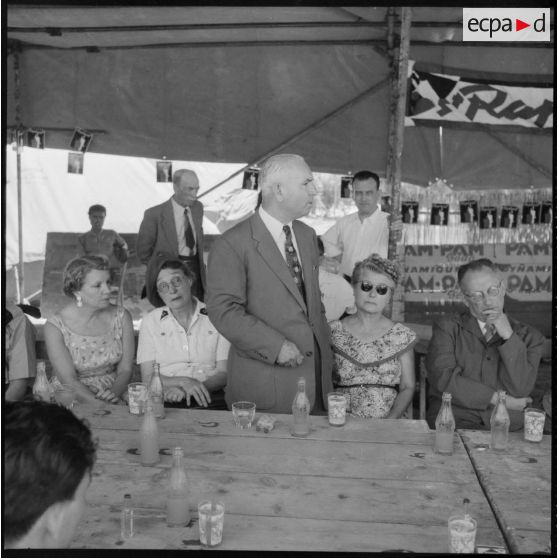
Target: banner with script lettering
453,98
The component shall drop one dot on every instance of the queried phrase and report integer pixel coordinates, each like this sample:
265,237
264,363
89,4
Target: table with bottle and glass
366,486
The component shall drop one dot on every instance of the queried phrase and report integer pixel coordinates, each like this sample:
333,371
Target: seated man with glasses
474,354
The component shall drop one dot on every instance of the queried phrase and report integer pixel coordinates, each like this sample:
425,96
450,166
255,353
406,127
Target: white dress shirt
179,221
357,239
275,228
337,294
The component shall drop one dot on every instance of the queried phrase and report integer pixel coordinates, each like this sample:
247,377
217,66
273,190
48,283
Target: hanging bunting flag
439,214
488,217
250,181
164,171
409,212
547,213
508,217
531,214
75,163
444,97
347,186
80,140
468,210
36,139
20,139
386,204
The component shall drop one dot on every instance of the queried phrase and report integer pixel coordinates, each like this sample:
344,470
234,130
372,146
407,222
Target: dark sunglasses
366,287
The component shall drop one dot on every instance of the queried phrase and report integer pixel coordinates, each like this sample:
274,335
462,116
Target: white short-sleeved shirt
192,353
356,240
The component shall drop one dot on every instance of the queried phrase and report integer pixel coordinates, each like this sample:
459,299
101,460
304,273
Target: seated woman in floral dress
374,358
90,342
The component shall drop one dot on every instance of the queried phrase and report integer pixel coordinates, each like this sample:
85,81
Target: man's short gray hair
177,175
273,166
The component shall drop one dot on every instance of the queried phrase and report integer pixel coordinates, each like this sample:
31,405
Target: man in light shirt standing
175,227
356,236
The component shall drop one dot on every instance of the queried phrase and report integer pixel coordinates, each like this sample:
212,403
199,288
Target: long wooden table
368,486
517,482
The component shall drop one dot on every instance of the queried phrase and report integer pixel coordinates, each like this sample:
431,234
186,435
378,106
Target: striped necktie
489,331
293,262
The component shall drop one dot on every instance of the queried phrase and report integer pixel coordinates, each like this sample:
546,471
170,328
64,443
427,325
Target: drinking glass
210,522
137,397
336,408
533,425
243,414
462,532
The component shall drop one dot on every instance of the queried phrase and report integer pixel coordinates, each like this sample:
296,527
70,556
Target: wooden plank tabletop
517,482
370,486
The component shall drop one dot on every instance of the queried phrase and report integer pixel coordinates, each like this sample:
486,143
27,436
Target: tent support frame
400,62
19,128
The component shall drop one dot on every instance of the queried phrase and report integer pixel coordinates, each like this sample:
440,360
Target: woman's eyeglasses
381,289
175,282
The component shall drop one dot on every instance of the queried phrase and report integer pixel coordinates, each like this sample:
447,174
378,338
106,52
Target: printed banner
431,271
456,99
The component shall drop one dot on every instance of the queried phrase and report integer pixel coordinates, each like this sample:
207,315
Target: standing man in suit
175,227
263,295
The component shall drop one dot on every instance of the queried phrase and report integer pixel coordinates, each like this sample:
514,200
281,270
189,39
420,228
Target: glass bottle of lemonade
445,427
178,495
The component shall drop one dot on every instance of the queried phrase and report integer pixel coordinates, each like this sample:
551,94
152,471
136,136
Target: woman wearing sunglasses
374,359
178,335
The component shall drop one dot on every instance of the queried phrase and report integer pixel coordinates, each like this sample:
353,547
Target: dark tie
292,261
188,233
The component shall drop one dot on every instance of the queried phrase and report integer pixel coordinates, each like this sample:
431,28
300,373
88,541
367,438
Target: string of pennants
438,214
434,215
36,139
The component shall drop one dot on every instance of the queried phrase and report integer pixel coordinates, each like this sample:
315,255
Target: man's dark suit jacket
157,234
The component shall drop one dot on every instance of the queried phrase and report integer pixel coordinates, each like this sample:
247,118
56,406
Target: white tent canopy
55,201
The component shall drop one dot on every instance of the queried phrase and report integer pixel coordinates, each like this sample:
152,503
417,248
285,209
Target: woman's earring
78,300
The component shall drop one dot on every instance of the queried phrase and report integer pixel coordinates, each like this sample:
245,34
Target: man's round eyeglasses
175,282
367,286
479,296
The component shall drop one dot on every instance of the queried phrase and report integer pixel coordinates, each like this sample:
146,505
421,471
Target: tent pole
393,173
370,91
19,144
21,285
